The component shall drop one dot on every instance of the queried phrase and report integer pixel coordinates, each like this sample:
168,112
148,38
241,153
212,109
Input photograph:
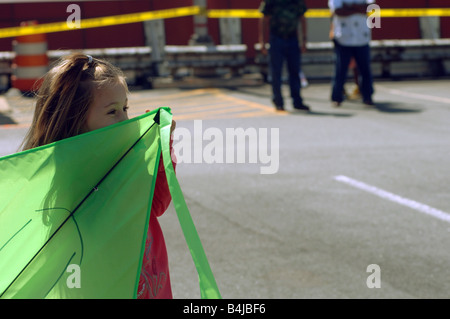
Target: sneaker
302,107
369,102
278,107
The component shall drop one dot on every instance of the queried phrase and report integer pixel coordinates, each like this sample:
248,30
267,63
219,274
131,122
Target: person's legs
343,56
276,65
293,65
362,57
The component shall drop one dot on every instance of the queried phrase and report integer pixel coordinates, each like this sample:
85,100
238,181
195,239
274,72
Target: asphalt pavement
355,204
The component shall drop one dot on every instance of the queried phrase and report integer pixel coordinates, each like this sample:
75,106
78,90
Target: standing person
82,94
351,37
356,91
282,17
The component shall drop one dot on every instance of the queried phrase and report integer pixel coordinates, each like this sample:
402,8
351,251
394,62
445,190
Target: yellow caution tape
412,12
318,13
196,10
325,13
234,13
100,22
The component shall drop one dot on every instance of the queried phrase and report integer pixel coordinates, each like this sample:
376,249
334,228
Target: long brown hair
64,98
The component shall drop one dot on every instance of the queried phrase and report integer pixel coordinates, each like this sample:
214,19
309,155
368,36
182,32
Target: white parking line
419,96
395,198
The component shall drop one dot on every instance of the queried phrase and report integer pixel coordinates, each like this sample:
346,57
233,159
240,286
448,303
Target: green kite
68,204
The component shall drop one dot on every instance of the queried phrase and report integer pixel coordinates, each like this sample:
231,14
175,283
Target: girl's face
109,107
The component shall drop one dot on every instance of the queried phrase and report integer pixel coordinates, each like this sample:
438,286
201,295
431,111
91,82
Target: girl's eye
112,112
125,108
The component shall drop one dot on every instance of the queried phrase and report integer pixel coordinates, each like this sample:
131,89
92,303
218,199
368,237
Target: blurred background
222,39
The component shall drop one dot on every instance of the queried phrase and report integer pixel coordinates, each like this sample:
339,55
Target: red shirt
154,282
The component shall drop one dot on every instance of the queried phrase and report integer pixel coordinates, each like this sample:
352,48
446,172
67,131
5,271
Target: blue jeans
285,49
362,58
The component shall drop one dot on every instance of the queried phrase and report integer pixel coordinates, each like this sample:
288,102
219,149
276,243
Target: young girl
81,94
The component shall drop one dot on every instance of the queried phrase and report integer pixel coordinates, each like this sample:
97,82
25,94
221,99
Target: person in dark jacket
283,17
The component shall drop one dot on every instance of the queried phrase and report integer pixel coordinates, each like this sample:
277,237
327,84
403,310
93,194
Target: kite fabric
74,214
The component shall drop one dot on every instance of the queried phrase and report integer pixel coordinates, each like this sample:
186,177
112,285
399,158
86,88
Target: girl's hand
172,127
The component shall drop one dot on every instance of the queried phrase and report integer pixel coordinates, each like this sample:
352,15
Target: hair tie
89,59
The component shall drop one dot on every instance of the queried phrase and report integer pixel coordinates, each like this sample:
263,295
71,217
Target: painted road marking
189,105
423,208
203,104
419,96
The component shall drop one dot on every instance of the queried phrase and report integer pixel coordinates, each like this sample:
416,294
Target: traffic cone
30,62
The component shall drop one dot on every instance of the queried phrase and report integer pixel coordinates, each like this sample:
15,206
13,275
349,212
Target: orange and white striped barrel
30,62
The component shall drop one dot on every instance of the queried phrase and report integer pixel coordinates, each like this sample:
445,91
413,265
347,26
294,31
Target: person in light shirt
351,36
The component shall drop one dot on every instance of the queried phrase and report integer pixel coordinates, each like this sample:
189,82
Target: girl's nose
123,116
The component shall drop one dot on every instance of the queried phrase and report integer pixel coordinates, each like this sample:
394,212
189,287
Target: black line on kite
78,206
62,273
76,225
7,242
